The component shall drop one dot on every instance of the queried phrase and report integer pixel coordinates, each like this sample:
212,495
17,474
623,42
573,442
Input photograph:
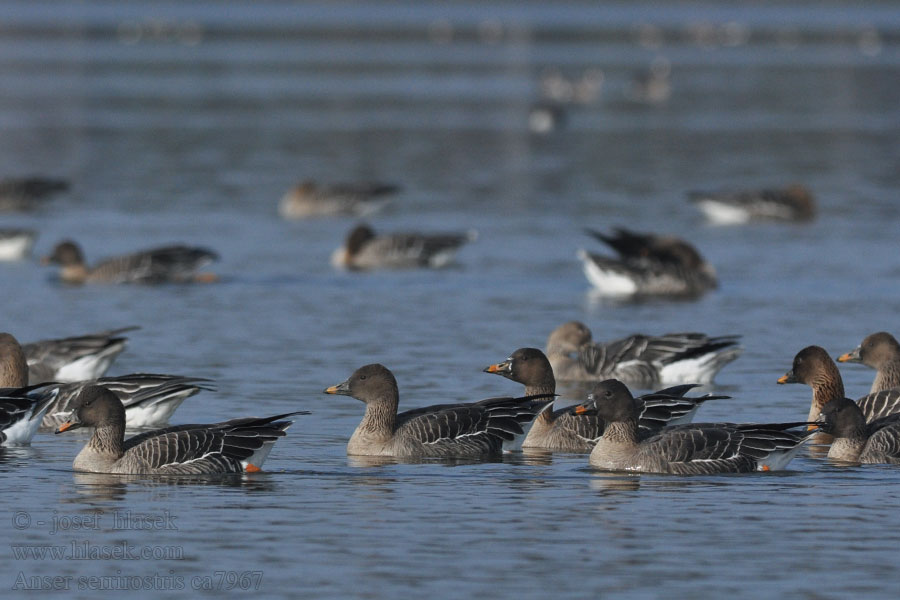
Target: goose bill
788,377
342,389
852,356
500,368
70,424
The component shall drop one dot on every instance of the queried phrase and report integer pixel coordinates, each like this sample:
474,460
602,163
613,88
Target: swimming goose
648,264
15,244
793,203
168,264
24,193
696,449
363,249
814,367
472,430
149,399
76,358
20,410
857,441
638,359
652,86
233,446
308,199
564,430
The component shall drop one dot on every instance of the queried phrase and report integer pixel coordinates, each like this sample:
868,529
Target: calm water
187,123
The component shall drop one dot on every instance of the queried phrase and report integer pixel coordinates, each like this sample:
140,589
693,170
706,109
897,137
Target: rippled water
187,122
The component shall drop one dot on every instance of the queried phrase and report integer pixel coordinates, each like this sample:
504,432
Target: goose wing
485,424
21,411
880,404
169,263
883,445
45,357
220,447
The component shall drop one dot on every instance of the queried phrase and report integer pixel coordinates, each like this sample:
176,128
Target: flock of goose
59,384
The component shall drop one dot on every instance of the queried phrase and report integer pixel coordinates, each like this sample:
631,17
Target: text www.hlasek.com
217,581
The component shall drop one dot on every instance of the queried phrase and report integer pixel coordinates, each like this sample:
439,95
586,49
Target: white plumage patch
23,430
607,281
86,367
700,370
15,248
723,214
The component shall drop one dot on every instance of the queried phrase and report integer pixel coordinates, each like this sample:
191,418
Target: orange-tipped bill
581,409
341,388
788,378
67,426
849,356
499,368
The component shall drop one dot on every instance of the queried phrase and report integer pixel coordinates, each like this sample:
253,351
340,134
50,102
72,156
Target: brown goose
309,199
566,431
21,409
880,351
149,399
732,207
647,265
364,249
76,358
472,430
639,360
696,449
857,441
814,367
167,264
234,446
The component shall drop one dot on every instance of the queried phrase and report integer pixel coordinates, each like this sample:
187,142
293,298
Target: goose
473,430
814,367
15,244
564,430
149,399
309,199
855,440
647,265
364,249
696,449
235,446
725,207
640,360
25,193
166,264
76,358
20,410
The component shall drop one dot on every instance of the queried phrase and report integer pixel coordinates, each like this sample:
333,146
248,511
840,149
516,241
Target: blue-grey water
187,121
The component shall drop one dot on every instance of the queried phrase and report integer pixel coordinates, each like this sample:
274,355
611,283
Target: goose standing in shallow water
20,410
473,430
814,367
647,265
639,360
149,399
236,446
567,431
696,449
308,199
364,250
793,203
855,440
76,358
167,264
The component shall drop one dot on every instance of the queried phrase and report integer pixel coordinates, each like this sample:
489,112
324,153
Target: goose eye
608,394
362,377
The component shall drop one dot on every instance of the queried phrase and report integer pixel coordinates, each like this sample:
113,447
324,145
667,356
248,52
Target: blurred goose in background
76,358
26,193
308,199
814,367
732,207
15,244
881,352
168,264
855,440
149,399
236,446
567,431
639,360
20,410
472,430
647,265
696,449
652,86
363,249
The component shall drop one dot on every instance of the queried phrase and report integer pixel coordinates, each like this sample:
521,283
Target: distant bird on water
364,249
26,193
168,264
15,244
309,199
647,265
794,203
